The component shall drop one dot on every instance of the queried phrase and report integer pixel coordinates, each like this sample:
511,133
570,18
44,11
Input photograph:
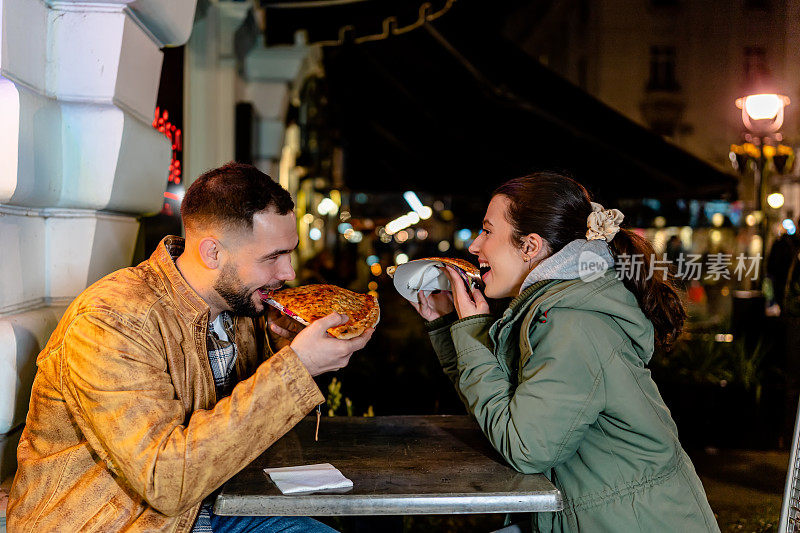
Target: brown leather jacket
124,431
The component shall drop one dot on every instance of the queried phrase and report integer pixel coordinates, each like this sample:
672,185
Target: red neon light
173,133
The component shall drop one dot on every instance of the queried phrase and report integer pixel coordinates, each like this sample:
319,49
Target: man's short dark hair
230,195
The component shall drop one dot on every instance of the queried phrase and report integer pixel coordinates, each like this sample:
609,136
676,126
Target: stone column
79,162
272,76
210,88
221,74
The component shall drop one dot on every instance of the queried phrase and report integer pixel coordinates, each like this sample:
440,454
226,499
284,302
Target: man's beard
238,297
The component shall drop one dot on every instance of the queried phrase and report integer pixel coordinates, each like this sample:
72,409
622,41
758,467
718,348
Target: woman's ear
534,247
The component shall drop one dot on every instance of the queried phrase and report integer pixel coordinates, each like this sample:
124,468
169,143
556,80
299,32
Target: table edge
402,504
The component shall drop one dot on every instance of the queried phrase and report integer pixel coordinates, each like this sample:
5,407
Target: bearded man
159,382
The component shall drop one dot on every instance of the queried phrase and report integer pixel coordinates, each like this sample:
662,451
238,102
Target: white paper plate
420,275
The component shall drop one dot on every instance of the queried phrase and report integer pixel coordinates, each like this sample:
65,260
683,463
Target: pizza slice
468,272
312,302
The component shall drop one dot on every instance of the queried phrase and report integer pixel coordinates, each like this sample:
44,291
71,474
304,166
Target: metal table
399,465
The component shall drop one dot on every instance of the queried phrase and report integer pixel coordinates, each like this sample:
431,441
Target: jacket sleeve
540,422
119,390
439,333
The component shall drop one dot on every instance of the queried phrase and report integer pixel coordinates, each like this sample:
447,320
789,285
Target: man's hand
433,304
468,303
281,329
320,352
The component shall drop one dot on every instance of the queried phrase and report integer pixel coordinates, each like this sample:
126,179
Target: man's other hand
320,352
281,329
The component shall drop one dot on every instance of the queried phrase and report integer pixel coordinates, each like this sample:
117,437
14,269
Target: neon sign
173,133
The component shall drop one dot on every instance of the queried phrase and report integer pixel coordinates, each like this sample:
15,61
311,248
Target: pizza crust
466,266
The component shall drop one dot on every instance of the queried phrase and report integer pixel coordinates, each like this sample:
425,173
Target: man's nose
287,274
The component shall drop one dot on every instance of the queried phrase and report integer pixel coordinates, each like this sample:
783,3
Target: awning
334,22
454,107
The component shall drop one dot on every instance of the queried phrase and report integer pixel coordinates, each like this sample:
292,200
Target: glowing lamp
763,113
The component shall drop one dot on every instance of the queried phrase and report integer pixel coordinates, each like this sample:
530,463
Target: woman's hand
467,302
433,304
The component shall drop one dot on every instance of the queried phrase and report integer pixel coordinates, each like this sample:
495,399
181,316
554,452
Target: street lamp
763,113
762,116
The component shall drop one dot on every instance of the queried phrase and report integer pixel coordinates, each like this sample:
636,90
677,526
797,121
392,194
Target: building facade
676,66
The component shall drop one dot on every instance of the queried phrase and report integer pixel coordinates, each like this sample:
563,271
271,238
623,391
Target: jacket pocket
102,520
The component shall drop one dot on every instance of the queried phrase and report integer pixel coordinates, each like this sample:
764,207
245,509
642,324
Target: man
134,418
782,256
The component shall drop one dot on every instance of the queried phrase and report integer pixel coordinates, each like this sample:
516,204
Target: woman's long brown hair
556,208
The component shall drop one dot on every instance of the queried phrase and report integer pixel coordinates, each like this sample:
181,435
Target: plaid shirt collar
222,356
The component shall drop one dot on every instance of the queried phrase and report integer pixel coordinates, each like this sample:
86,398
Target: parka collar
186,300
520,304
548,292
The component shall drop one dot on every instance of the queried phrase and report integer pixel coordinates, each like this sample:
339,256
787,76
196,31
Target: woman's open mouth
485,268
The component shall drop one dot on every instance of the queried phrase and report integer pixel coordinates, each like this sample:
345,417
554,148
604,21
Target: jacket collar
545,293
186,300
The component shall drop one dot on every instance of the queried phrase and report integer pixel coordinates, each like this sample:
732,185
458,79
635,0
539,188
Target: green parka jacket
559,385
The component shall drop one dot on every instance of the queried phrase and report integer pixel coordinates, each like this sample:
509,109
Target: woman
559,383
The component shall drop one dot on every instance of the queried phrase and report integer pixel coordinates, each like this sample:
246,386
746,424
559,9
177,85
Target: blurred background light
775,200
327,207
413,200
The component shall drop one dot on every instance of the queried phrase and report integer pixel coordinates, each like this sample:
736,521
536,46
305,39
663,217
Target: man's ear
210,252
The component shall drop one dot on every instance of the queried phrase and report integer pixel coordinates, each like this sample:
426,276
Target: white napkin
308,478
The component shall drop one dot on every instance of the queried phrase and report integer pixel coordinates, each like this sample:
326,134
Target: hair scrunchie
603,223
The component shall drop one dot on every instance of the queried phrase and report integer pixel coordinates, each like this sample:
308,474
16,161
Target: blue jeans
267,524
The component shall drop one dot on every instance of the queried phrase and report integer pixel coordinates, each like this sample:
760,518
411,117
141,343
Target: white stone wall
79,162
